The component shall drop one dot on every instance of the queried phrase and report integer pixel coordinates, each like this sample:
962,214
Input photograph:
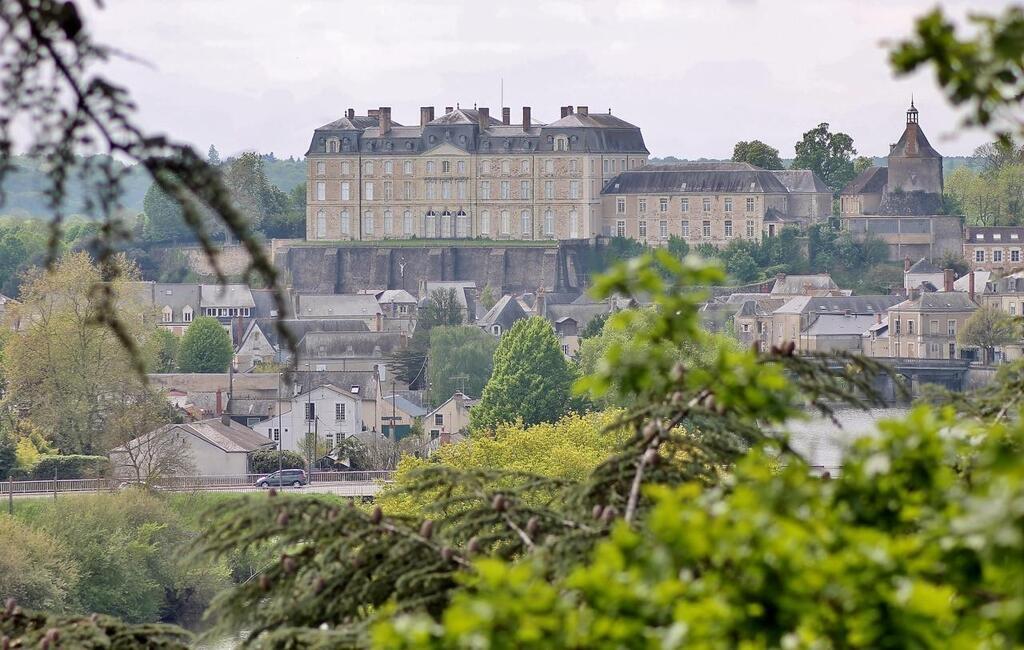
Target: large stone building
710,203
994,248
901,204
465,174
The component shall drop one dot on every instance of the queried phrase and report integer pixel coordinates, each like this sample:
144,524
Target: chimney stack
947,279
506,115
526,118
220,403
385,120
906,264
373,112
447,109
484,114
426,115
970,286
225,419
878,318
350,113
583,110
565,111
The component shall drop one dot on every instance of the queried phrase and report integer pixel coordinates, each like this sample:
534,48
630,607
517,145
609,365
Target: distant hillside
23,188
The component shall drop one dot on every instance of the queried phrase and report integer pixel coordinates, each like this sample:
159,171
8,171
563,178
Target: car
293,477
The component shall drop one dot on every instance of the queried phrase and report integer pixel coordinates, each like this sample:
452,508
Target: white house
329,412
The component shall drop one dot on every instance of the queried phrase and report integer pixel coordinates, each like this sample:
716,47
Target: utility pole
309,414
280,431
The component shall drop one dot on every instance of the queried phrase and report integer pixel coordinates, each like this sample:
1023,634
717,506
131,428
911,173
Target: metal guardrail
182,483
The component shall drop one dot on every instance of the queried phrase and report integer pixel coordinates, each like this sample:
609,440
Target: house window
321,168
910,327
438,419
368,167
186,314
561,143
407,167
460,166
750,229
933,327
310,411
408,191
389,167
485,168
446,224
387,191
605,165
321,224
549,223
524,189
574,190
620,228
728,205
485,189
407,222
642,227
620,206
506,167
979,255
430,224
549,190
321,191
706,229
574,225
485,223
1013,309
496,330
524,220
686,229
952,350
1015,256
524,166
684,205
275,434
728,228
549,166
345,169
460,190
897,328
388,222
368,191
446,189
663,230
345,191
506,190
431,167
750,204
446,167
431,190
506,225
167,315
951,328
997,256
368,222
346,223
461,224
642,205
707,205
339,411
663,205
573,166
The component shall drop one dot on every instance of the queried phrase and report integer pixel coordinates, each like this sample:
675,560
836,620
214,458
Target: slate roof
651,180
953,301
337,306
702,166
870,181
233,439
840,325
176,296
838,304
981,280
356,123
591,120
266,307
987,234
797,285
464,116
801,180
404,405
300,327
913,144
924,265
363,381
396,296
505,312
333,345
582,314
230,295
191,383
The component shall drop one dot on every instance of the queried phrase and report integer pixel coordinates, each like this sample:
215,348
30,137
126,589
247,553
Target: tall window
368,167
321,224
549,166
525,226
549,223
506,225
979,255
706,229
407,168
321,191
574,225
663,205
345,169
707,205
561,143
408,193
461,224
524,189
524,166
997,256
310,411
1015,256
431,190
642,205
686,230
388,193
346,223
573,166
430,224
663,230
620,228
368,222
574,189
388,222
321,168
750,229
446,167
368,191
684,204
446,189
407,222
728,204
728,228
485,223
339,411
620,206
460,190
506,190
446,224
506,167
389,167
951,328
549,190
431,167
750,204
643,229
346,191
485,167
460,166
485,190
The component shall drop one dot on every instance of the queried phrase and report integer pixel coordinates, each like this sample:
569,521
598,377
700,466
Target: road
340,488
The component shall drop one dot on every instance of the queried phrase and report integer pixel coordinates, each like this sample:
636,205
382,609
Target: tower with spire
914,184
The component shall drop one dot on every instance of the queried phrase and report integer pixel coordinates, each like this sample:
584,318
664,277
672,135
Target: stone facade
996,248
465,175
926,326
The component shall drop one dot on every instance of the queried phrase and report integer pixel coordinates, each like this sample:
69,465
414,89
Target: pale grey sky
695,75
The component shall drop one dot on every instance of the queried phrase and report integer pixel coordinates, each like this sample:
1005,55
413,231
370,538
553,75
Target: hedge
69,466
265,461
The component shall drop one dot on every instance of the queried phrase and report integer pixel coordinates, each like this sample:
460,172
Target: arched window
407,167
168,314
388,222
430,224
574,225
368,222
485,223
461,224
506,226
525,226
332,145
446,224
368,167
506,167
430,166
549,223
496,329
346,223
186,314
321,224
486,167
407,223
524,166
561,143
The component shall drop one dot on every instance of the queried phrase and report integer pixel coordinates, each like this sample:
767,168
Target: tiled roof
230,295
913,144
801,180
651,180
870,181
838,304
993,235
337,306
938,301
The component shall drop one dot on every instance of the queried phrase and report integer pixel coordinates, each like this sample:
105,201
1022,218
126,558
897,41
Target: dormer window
997,236
186,314
167,315
561,143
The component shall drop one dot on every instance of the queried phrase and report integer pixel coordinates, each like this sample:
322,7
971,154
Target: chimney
350,113
447,109
878,318
372,112
485,117
444,438
947,279
526,118
906,264
385,120
379,322
426,115
506,115
970,286
583,110
565,111
225,419
220,403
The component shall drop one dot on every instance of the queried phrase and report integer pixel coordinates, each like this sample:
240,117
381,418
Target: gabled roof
337,306
232,438
300,327
924,265
840,325
591,120
505,312
954,301
176,296
870,181
981,280
396,296
266,307
229,295
336,345
326,386
362,383
797,285
838,304
463,116
994,235
801,180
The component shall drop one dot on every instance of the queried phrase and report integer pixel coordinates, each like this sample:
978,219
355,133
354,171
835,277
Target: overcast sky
695,75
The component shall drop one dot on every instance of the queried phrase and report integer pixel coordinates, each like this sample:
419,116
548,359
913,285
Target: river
821,442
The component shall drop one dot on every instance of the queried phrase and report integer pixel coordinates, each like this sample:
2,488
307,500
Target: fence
240,482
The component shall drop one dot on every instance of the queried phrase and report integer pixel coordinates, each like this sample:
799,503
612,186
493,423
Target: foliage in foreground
917,545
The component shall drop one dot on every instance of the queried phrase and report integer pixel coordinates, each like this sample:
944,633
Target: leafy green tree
757,153
531,378
165,220
740,260
253,193
487,298
678,246
594,326
8,454
162,352
35,569
461,357
289,223
988,328
205,347
265,461
861,163
441,309
828,154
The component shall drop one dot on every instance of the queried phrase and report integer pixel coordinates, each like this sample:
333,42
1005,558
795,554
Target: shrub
265,461
69,466
34,569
